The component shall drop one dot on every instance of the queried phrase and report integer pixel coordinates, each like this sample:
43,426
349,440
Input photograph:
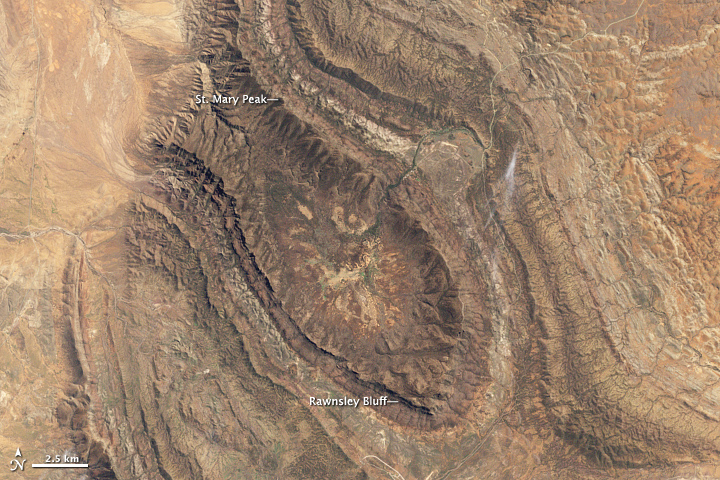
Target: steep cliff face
501,218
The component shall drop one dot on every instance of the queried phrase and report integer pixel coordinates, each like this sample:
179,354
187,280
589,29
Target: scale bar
59,465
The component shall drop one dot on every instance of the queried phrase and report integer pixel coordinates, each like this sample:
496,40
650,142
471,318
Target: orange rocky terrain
494,226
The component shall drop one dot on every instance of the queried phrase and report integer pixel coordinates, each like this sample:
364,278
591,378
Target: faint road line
35,110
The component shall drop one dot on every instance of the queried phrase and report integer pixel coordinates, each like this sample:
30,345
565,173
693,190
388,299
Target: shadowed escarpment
404,323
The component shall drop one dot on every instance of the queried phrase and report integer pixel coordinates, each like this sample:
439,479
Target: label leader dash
234,100
349,402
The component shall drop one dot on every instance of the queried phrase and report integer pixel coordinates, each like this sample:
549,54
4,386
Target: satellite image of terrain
359,239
